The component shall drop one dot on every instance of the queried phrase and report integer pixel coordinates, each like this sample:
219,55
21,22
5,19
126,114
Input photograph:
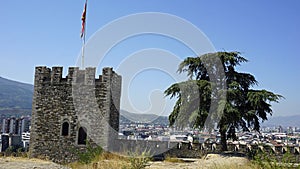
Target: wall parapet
181,149
54,75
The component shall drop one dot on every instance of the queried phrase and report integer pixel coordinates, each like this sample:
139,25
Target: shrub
89,155
139,160
271,161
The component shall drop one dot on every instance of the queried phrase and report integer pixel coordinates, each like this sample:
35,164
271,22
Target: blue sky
36,32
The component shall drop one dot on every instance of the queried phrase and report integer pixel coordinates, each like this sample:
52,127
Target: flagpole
82,54
84,33
83,50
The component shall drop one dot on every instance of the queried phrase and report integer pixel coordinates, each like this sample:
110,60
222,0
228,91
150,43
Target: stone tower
67,112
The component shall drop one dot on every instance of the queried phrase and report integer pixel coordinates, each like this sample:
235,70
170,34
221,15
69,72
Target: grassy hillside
15,97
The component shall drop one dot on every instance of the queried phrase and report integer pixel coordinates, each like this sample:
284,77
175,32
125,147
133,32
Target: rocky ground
211,161
25,163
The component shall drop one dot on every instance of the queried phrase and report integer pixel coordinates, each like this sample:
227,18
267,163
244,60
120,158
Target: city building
12,133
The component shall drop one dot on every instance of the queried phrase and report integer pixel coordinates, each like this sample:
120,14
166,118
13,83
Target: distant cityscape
276,135
15,132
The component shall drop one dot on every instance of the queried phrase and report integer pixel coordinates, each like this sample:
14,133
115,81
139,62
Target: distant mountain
284,121
127,117
15,96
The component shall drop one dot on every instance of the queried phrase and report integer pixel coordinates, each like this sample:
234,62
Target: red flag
83,17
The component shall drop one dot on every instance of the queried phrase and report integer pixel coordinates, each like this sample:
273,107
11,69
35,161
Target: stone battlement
44,74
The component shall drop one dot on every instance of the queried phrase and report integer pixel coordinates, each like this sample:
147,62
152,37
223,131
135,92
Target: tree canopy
217,93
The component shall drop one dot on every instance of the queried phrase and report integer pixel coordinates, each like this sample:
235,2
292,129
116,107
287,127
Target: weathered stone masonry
67,110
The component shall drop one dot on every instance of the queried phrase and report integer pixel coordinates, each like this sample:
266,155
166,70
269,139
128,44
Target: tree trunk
223,138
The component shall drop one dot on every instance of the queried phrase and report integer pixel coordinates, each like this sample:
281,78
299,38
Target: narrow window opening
82,136
65,129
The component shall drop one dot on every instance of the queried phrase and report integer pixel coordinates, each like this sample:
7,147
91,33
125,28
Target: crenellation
90,76
78,76
98,80
107,73
71,73
42,74
56,74
75,75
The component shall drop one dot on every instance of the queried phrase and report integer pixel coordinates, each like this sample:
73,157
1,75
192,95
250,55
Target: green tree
217,92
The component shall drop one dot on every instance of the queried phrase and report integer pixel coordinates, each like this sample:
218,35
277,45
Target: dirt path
25,163
212,161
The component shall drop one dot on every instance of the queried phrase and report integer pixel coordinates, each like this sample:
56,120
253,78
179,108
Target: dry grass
212,161
220,162
174,160
104,161
22,159
105,164
114,161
